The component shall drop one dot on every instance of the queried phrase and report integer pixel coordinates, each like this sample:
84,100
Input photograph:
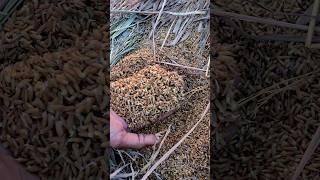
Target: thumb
137,141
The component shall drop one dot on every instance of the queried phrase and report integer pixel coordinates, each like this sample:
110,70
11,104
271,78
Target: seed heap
268,138
132,63
54,111
143,97
270,134
225,77
191,159
46,26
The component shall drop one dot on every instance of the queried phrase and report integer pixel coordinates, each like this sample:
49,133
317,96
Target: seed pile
224,64
225,79
132,63
268,138
143,97
47,26
54,111
191,159
272,130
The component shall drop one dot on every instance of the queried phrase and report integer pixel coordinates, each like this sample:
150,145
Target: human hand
11,169
120,138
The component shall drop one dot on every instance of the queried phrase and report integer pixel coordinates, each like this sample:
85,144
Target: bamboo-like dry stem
154,156
182,66
112,175
168,33
208,67
242,17
312,24
154,29
190,13
307,155
315,46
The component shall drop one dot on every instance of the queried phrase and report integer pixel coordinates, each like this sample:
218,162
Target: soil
266,136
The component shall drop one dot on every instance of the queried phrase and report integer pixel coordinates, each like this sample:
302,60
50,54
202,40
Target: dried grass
181,16
312,24
6,9
307,155
261,20
123,171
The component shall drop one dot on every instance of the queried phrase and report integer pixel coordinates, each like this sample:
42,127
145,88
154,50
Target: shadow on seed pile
54,109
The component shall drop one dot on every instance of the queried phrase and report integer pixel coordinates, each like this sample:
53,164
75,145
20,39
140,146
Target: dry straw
312,24
299,25
6,9
307,155
247,18
183,17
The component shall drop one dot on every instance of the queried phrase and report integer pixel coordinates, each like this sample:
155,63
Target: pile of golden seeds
146,92
132,63
53,109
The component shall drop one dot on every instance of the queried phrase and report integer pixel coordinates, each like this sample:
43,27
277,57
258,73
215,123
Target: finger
11,169
115,116
123,122
137,141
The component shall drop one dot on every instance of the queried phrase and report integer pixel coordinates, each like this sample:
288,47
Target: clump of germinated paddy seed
145,96
132,63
